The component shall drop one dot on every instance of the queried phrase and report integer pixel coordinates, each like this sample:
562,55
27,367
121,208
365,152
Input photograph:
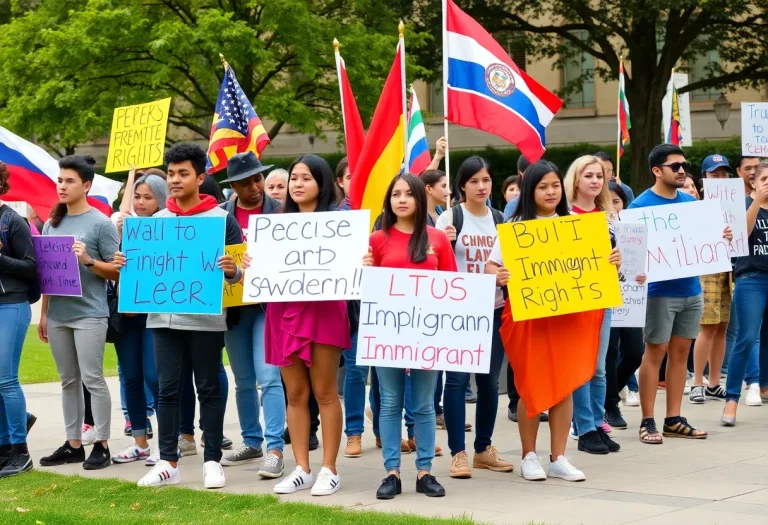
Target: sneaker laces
353,440
718,390
324,476
128,450
493,453
271,461
461,459
240,451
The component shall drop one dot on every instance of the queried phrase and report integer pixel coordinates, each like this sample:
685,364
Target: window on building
580,65
514,45
698,69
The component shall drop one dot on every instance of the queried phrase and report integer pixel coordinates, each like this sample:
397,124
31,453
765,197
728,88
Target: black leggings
627,343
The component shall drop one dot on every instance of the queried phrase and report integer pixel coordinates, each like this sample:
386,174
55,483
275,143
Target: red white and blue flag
487,91
34,174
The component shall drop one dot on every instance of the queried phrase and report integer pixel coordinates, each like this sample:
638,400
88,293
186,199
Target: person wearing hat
245,338
716,291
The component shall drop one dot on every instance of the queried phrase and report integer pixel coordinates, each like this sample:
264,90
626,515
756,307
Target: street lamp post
722,109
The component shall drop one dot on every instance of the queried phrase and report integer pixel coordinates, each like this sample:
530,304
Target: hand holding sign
58,271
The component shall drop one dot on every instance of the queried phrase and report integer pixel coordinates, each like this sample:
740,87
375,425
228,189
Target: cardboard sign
138,136
559,266
171,265
58,270
632,241
684,239
730,193
306,256
233,293
426,320
754,129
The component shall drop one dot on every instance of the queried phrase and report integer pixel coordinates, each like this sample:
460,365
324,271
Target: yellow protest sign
138,136
559,266
233,293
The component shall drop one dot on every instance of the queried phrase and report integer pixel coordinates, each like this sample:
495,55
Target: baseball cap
713,162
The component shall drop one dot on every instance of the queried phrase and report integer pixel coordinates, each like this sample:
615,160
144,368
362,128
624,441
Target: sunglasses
675,166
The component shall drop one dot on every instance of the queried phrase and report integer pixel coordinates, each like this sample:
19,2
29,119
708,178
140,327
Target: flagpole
401,31
341,89
618,120
668,131
445,103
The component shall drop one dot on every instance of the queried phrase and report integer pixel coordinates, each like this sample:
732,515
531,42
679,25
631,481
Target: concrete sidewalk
721,480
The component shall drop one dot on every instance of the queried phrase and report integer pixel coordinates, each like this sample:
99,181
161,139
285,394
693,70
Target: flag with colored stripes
624,121
674,133
418,147
354,133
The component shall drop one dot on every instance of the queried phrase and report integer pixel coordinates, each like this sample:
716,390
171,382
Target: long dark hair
341,167
323,175
469,169
212,188
526,207
83,165
619,191
4,176
419,242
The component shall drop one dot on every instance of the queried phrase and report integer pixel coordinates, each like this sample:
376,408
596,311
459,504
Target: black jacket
17,260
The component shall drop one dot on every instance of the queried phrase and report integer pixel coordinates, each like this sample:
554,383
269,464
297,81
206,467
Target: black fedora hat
244,165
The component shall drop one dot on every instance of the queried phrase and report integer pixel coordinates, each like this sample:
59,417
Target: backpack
33,287
457,220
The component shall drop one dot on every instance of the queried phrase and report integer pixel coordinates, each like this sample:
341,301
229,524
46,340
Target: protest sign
754,129
426,320
58,270
559,266
632,241
171,265
306,256
138,136
730,193
233,293
684,239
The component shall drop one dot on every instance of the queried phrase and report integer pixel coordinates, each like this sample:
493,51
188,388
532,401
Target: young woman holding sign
405,241
306,339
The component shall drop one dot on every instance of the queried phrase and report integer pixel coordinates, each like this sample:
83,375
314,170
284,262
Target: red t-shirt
242,215
579,211
390,249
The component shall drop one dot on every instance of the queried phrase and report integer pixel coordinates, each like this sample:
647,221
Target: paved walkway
722,480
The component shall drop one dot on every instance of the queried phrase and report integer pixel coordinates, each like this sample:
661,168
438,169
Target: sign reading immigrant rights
58,271
426,320
306,256
632,240
172,265
138,136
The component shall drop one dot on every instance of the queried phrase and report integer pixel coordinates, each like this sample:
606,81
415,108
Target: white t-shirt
474,243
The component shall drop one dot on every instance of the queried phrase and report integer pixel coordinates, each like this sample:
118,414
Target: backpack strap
498,217
5,224
457,221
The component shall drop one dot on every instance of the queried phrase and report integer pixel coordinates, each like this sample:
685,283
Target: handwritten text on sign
730,193
171,265
58,271
426,320
559,266
684,239
632,240
306,256
233,293
138,136
754,129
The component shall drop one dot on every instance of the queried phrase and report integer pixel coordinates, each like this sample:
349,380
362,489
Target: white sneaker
296,481
153,458
753,398
161,474
213,475
563,469
131,453
530,468
632,399
327,483
623,393
89,435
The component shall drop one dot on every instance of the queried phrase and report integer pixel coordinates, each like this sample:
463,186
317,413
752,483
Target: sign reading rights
730,193
684,239
559,266
306,256
58,271
138,136
426,320
171,265
632,240
233,293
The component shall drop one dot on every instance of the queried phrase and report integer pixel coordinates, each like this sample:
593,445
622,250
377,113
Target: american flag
236,126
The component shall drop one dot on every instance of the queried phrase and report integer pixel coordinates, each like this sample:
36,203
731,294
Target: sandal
678,427
648,432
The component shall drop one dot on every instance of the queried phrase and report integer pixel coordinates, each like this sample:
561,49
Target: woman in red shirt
405,241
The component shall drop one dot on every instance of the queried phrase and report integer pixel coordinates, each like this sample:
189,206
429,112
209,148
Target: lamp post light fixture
722,109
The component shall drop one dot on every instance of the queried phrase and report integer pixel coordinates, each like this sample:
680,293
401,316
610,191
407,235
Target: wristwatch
92,263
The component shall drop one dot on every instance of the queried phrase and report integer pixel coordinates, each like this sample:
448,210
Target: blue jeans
136,357
14,321
392,384
751,300
487,398
374,399
189,401
589,399
753,364
354,391
147,395
245,348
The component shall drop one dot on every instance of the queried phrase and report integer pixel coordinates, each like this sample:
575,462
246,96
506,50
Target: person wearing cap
245,336
716,291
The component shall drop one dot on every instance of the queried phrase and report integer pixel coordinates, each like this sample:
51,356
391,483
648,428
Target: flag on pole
487,91
418,147
674,133
384,149
354,133
624,122
236,127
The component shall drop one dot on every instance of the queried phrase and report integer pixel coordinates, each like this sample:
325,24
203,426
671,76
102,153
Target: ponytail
57,214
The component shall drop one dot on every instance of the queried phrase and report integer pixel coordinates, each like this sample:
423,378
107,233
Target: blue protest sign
171,265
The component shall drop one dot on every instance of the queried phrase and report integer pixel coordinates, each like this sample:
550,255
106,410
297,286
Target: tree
654,36
65,64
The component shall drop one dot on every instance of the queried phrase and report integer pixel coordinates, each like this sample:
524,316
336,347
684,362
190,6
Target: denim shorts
672,316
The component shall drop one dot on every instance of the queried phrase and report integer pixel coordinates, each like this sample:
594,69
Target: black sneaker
592,444
286,437
5,454
611,444
614,418
64,454
99,458
314,443
390,487
512,414
16,464
715,393
150,434
31,420
544,417
226,443
429,486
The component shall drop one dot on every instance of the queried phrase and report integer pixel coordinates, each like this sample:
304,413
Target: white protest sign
426,320
306,256
754,129
632,241
684,239
730,193
683,106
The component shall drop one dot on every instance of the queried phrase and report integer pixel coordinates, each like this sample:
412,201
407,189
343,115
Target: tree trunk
645,113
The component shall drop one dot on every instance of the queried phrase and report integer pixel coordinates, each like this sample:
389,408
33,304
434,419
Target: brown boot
404,447
354,448
489,459
460,466
412,446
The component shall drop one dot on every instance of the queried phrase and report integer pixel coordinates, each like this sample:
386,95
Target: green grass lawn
41,498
